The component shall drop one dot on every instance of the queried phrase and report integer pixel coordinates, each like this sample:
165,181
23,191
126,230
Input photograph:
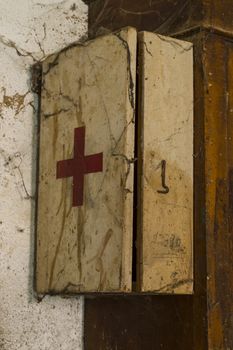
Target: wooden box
115,191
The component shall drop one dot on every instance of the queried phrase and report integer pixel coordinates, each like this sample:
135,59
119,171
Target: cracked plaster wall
29,30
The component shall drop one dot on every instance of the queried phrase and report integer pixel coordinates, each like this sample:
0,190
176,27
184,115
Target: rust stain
103,275
62,189
106,239
79,240
98,257
101,95
79,111
15,101
70,209
170,288
59,240
64,203
105,242
55,135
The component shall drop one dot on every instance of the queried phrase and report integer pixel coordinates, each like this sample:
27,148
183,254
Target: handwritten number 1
163,178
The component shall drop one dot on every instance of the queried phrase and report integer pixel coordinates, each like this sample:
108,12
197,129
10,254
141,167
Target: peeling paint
15,101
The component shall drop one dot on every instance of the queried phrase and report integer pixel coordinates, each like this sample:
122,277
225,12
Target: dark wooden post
205,320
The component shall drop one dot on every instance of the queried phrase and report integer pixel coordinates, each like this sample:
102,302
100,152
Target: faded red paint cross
79,166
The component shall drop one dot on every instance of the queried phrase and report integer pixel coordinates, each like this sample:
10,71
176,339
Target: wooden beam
218,96
138,323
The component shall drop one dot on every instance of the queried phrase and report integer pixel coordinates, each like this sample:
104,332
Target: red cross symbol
79,166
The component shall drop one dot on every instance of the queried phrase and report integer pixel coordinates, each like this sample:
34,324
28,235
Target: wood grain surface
218,166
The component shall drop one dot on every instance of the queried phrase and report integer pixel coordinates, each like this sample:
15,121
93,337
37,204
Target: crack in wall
13,162
20,51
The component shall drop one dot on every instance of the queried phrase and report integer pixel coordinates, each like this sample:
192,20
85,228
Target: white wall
29,29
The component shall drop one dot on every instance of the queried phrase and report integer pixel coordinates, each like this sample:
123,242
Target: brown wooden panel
218,14
138,323
218,166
